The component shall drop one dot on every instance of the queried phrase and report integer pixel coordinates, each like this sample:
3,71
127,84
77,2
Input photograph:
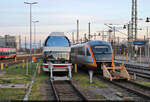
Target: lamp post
114,36
30,30
147,20
129,38
34,22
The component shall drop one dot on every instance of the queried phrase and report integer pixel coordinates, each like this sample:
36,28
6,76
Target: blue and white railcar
56,53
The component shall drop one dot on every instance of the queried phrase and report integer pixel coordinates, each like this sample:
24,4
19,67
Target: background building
8,41
2,41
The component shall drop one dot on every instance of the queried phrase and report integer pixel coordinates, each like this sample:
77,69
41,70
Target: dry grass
36,93
145,83
18,76
83,80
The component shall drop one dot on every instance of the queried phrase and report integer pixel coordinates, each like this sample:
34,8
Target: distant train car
7,53
92,54
56,53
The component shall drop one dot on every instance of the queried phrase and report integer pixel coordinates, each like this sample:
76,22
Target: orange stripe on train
95,65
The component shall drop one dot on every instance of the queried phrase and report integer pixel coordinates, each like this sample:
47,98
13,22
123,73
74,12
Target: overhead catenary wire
116,30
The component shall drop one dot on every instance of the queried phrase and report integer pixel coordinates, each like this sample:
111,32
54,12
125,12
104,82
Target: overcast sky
61,15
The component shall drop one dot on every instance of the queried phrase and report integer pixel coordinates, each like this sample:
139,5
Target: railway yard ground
16,84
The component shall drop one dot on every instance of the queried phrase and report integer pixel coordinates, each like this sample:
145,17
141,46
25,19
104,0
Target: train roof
93,42
56,34
98,42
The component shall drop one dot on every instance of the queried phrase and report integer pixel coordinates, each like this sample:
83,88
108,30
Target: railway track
140,90
66,91
138,67
140,72
137,89
140,75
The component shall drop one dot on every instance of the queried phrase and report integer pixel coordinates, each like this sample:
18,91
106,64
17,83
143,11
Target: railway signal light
147,19
99,34
124,27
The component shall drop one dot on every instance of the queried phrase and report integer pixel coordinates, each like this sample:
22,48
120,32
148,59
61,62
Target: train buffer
116,72
57,70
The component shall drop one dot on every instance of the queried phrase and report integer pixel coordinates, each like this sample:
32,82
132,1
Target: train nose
103,58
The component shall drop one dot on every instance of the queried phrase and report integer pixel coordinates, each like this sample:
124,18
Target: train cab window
55,41
101,49
87,52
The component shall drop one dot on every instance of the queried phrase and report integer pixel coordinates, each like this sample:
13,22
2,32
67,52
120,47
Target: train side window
87,52
83,51
78,50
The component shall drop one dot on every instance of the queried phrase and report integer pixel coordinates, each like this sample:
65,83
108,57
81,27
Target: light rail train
92,54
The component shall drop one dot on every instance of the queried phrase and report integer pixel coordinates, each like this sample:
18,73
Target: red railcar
7,53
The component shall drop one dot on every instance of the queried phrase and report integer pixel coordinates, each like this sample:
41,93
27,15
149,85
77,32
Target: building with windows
8,41
2,41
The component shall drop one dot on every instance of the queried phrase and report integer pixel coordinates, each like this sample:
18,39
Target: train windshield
57,57
57,41
101,49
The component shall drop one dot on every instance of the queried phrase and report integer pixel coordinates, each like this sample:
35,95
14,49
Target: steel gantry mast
134,20
77,31
133,35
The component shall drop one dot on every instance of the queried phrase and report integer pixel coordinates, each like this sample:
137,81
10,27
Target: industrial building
8,41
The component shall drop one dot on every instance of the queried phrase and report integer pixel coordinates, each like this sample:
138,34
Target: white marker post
70,76
91,76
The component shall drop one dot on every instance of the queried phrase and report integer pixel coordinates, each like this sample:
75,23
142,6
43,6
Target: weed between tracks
83,80
37,93
145,83
15,75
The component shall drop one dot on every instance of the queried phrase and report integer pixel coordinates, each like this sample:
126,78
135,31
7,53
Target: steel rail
143,95
139,85
140,75
140,94
74,88
138,72
83,97
55,92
